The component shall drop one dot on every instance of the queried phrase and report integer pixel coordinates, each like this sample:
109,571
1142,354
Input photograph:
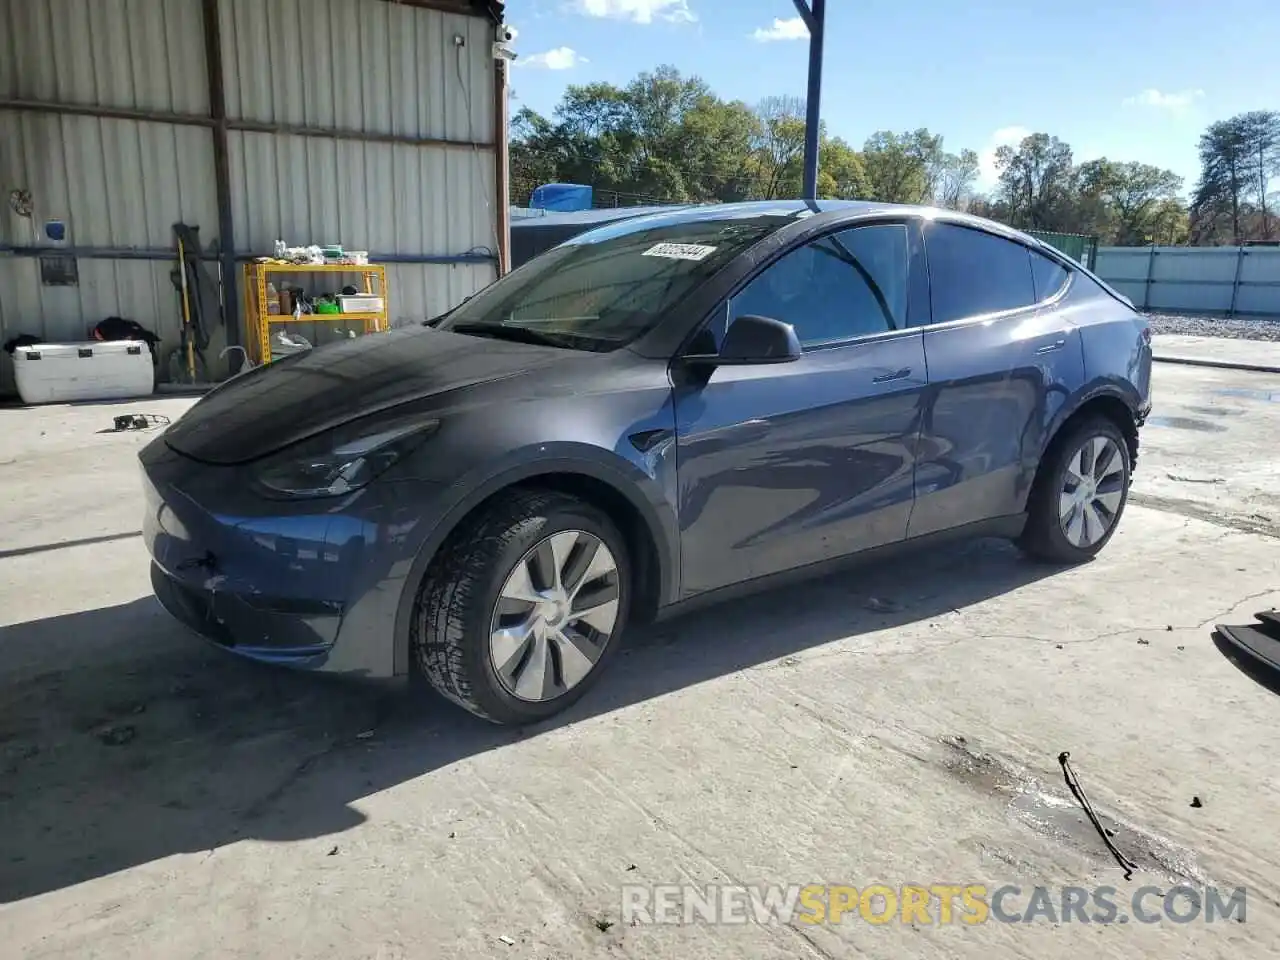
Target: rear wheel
523,608
1079,495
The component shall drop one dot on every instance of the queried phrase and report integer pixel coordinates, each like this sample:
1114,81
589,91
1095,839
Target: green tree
841,174
1261,132
954,178
1170,223
898,166
1038,183
777,160
1224,182
777,156
1131,194
534,153
667,136
717,152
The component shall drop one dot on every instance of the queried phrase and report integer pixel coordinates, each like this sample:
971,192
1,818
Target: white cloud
1004,137
1164,101
637,11
561,58
793,29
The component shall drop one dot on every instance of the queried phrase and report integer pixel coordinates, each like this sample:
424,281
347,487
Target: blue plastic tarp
561,196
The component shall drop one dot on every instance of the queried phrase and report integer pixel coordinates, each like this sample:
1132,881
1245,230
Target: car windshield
604,288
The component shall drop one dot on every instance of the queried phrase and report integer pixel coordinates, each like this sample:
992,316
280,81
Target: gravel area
1234,328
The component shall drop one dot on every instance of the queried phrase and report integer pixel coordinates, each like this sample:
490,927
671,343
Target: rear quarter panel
1117,348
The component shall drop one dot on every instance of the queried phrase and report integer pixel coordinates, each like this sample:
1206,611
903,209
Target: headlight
342,460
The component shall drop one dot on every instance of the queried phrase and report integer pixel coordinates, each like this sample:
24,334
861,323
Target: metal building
377,124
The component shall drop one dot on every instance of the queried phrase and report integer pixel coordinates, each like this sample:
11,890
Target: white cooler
96,370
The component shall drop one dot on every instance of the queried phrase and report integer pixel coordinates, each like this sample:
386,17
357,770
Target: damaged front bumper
271,581
273,630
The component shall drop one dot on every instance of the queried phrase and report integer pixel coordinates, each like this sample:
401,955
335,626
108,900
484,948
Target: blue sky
1127,79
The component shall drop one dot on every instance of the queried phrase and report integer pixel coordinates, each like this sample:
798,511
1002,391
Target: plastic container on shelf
95,370
360,303
273,300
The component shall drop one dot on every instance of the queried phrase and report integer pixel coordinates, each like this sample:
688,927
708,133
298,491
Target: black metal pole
222,178
816,22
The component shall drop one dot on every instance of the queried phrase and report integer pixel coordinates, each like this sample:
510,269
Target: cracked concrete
793,737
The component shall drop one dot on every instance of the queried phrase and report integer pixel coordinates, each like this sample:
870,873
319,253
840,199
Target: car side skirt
1005,528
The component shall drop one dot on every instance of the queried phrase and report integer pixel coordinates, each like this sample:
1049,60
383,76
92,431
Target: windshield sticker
680,251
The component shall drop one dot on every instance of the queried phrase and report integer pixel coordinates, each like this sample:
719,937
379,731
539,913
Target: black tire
455,605
1044,537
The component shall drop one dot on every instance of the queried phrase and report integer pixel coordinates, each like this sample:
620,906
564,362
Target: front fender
643,490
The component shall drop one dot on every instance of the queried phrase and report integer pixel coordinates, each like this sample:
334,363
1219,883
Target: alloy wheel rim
555,615
1092,491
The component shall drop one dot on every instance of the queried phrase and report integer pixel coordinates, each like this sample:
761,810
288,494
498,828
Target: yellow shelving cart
259,319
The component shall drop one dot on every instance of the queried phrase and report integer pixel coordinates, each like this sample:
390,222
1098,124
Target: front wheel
1080,494
524,606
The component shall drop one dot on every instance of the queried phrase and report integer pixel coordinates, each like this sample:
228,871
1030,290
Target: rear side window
972,273
839,287
1049,276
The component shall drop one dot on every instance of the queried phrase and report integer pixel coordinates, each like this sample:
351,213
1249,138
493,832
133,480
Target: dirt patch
1057,816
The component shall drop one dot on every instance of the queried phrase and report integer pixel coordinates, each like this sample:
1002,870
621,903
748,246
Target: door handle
1050,347
890,377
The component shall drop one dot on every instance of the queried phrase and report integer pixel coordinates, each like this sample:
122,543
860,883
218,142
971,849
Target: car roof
850,209
530,217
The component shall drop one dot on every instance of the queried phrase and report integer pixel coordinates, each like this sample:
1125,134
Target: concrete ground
1257,356
1211,449
898,725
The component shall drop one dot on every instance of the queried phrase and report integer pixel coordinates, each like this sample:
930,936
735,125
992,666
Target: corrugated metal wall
117,183
386,69
1240,280
120,53
359,66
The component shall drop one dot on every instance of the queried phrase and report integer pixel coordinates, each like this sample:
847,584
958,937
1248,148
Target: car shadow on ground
151,743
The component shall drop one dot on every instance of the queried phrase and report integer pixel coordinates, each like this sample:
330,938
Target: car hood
272,406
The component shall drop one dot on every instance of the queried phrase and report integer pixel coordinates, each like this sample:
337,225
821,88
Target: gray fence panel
1214,280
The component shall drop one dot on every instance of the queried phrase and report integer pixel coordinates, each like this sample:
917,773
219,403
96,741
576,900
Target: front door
789,464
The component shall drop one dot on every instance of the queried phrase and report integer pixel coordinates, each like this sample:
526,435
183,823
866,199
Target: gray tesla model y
656,413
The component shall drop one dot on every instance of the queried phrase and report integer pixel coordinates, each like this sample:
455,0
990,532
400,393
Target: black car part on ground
1258,642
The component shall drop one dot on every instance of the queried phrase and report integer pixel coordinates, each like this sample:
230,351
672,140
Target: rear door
783,465
1003,358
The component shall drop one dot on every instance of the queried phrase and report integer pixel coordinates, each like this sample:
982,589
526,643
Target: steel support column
222,177
502,165
814,18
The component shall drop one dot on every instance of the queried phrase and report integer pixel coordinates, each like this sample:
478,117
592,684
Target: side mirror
752,340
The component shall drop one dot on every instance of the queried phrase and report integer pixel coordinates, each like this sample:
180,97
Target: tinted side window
1049,275
972,273
849,284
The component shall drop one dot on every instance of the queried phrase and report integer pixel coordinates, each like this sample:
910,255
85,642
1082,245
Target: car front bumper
313,584
253,627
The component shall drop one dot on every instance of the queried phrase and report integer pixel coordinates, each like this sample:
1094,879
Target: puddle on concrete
1185,423
1217,411
1058,816
1272,396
